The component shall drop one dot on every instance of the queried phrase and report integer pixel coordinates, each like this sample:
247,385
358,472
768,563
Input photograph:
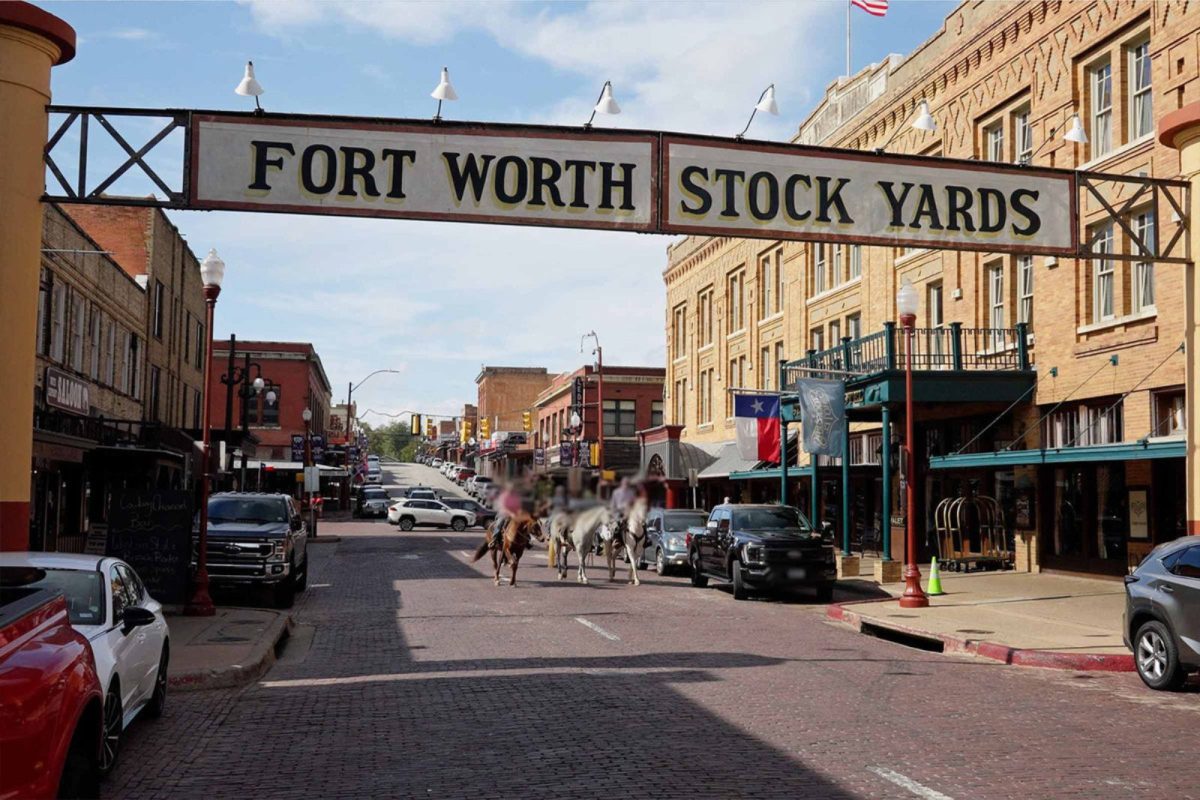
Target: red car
462,476
50,699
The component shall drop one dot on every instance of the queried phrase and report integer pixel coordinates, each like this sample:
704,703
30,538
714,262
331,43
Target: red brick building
633,401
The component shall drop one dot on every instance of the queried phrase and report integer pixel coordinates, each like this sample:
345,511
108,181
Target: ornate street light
913,597
212,273
605,104
766,104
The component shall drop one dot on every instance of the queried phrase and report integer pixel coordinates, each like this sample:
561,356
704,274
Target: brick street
422,679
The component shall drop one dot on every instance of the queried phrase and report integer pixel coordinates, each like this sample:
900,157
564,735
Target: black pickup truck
257,539
769,547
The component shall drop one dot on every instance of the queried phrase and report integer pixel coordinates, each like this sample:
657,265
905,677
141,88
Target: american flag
876,8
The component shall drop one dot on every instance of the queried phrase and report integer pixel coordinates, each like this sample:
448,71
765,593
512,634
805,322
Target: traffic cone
935,580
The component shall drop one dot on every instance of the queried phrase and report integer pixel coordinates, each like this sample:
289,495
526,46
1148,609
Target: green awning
1124,451
772,472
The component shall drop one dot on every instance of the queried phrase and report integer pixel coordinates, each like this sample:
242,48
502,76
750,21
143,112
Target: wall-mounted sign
447,171
792,192
67,392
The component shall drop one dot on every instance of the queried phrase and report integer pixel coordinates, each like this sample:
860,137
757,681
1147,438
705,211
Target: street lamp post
212,272
350,393
312,515
913,597
599,353
240,377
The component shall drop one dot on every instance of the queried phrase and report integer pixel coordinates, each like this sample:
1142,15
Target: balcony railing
949,348
112,432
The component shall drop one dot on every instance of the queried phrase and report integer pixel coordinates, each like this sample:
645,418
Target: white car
478,486
108,604
410,513
437,463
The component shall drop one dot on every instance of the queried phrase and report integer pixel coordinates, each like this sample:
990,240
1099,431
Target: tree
389,441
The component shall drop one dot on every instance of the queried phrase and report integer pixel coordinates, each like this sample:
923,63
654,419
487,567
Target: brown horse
510,544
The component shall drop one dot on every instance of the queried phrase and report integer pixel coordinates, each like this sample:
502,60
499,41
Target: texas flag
757,426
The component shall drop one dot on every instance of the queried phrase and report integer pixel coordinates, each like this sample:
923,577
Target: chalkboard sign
152,531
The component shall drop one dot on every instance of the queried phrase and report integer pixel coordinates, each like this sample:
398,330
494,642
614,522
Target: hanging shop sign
67,392
624,180
471,173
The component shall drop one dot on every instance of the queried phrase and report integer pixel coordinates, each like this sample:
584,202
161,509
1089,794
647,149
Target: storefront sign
67,392
539,456
474,173
152,531
297,447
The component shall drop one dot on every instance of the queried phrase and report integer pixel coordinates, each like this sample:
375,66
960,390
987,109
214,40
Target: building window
765,368
735,294
735,380
778,358
270,411
187,338
766,288
835,333
78,321
159,295
58,322
704,318
680,404
996,315
201,345
855,261
1062,428
679,332
1025,290
155,386
97,321
779,280
620,418
1141,122
1170,413
854,326
1143,271
993,138
705,398
133,365
656,413
1102,276
1022,137
110,354
1101,88
196,409
838,277
43,317
816,339
820,267
1103,424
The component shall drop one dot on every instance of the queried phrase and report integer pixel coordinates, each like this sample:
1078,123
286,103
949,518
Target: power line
1110,361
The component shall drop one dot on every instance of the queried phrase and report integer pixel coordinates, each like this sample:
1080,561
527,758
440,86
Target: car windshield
375,492
773,518
246,509
681,522
82,587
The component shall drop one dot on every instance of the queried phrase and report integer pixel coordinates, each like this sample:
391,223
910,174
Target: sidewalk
230,649
1050,621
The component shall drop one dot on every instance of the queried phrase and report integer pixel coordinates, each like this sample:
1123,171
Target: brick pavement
424,680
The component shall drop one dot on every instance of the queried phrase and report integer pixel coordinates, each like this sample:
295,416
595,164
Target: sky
436,301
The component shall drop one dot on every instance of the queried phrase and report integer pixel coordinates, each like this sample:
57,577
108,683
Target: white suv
410,513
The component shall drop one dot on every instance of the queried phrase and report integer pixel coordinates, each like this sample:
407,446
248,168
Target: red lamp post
913,597
212,272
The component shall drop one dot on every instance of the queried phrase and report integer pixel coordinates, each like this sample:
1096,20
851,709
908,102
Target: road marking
920,790
465,554
586,623
319,585
444,539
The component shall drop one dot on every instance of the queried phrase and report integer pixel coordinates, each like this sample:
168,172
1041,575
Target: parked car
478,486
436,463
666,537
374,474
1162,613
257,539
484,516
122,623
463,474
410,513
422,493
371,501
51,703
761,547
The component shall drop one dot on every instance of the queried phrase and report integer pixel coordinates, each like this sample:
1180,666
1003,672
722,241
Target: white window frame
1103,278
766,288
1141,97
94,332
1143,271
735,285
835,332
855,261
854,326
1100,81
817,339
58,322
838,277
1022,136
820,268
778,281
78,318
1025,289
765,371
997,319
993,139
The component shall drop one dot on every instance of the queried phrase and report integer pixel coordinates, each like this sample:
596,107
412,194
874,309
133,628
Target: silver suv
1162,613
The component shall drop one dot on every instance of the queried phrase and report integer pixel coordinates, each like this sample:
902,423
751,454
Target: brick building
1087,466
505,395
632,402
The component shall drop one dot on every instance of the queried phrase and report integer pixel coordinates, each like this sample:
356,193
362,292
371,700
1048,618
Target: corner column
1181,130
31,43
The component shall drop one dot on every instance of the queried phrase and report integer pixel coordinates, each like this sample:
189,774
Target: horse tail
480,551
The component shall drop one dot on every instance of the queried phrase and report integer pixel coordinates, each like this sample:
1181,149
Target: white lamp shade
249,87
272,397
306,414
924,120
212,269
575,420
259,383
1076,133
607,104
767,104
906,299
444,90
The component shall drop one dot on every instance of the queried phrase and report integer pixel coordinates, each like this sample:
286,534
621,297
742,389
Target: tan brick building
1003,81
505,394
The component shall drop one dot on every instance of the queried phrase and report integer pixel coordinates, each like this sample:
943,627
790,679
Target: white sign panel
792,192
441,171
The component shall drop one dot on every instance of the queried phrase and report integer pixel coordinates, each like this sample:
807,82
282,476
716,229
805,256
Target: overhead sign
790,192
67,392
472,173
625,180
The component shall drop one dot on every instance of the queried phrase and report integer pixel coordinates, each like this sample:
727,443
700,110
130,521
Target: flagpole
847,38
783,452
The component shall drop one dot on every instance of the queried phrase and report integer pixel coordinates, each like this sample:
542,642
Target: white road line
465,554
610,636
444,539
920,790
319,585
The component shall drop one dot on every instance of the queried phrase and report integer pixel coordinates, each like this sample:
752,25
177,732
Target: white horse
577,532
632,530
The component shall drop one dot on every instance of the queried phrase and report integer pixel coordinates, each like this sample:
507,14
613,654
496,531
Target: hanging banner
823,414
442,171
760,190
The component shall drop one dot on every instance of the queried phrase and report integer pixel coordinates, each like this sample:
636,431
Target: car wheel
660,562
699,579
158,701
458,524
79,776
285,592
740,590
824,594
302,581
1156,657
406,524
110,747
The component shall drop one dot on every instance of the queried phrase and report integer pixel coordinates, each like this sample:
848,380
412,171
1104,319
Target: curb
261,659
324,539
1015,656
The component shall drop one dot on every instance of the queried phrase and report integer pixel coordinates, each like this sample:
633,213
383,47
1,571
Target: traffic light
414,427
527,421
465,433
430,429
485,428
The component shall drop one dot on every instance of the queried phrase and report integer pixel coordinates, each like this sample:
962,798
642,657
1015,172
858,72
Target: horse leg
514,559
582,577
634,557
496,566
610,556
